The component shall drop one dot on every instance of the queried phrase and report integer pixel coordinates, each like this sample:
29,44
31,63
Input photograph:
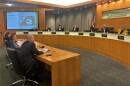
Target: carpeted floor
97,70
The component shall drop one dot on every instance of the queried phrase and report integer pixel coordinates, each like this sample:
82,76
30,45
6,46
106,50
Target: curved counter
110,45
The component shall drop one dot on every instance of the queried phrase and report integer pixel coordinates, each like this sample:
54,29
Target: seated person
75,28
122,31
92,29
48,29
125,32
13,42
104,28
6,37
33,29
60,28
28,52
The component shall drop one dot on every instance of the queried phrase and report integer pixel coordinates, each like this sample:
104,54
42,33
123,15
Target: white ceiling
62,2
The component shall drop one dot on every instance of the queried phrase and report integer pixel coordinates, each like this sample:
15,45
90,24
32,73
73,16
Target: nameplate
53,32
121,37
25,32
104,35
67,33
81,34
92,34
39,32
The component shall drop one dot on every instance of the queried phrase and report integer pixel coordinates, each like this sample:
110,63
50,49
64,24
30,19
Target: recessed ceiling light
9,4
62,2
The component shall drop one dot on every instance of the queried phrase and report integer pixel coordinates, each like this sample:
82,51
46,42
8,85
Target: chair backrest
7,44
17,66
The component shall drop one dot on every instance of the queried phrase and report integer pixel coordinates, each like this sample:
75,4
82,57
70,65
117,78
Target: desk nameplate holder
104,35
53,32
39,32
121,37
25,32
80,34
67,33
92,34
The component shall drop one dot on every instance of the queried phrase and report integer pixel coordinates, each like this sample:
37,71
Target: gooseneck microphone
50,47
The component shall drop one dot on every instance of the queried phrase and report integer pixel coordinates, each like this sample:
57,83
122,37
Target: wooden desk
116,49
65,66
1,40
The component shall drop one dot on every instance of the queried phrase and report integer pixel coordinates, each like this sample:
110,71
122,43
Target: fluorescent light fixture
9,4
62,2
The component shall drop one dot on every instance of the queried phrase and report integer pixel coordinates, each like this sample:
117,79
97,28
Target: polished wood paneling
100,45
1,40
66,73
114,22
3,19
113,46
128,54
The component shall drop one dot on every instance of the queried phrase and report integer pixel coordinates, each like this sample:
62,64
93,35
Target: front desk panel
1,40
110,46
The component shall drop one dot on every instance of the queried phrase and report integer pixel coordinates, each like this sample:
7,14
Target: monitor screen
21,20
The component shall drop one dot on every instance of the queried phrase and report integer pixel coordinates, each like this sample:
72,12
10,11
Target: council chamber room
64,43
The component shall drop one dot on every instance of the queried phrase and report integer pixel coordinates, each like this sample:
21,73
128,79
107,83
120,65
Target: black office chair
8,45
18,68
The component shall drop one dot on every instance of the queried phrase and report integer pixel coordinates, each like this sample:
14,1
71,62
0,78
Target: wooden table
1,40
65,66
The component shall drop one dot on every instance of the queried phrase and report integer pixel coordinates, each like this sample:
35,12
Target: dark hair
6,36
12,36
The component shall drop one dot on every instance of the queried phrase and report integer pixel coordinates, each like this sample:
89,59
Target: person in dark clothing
6,38
28,52
13,41
60,28
75,28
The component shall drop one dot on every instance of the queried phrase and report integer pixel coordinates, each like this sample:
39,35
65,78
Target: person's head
7,35
30,38
59,26
75,26
13,37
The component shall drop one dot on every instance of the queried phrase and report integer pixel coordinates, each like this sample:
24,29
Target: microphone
42,47
50,47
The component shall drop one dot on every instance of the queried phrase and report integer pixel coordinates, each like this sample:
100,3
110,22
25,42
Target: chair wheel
13,85
11,68
6,56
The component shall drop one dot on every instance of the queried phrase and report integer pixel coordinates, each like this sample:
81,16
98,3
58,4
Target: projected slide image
22,20
26,21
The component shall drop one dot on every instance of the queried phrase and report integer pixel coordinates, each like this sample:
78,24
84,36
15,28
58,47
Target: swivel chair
8,45
18,68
